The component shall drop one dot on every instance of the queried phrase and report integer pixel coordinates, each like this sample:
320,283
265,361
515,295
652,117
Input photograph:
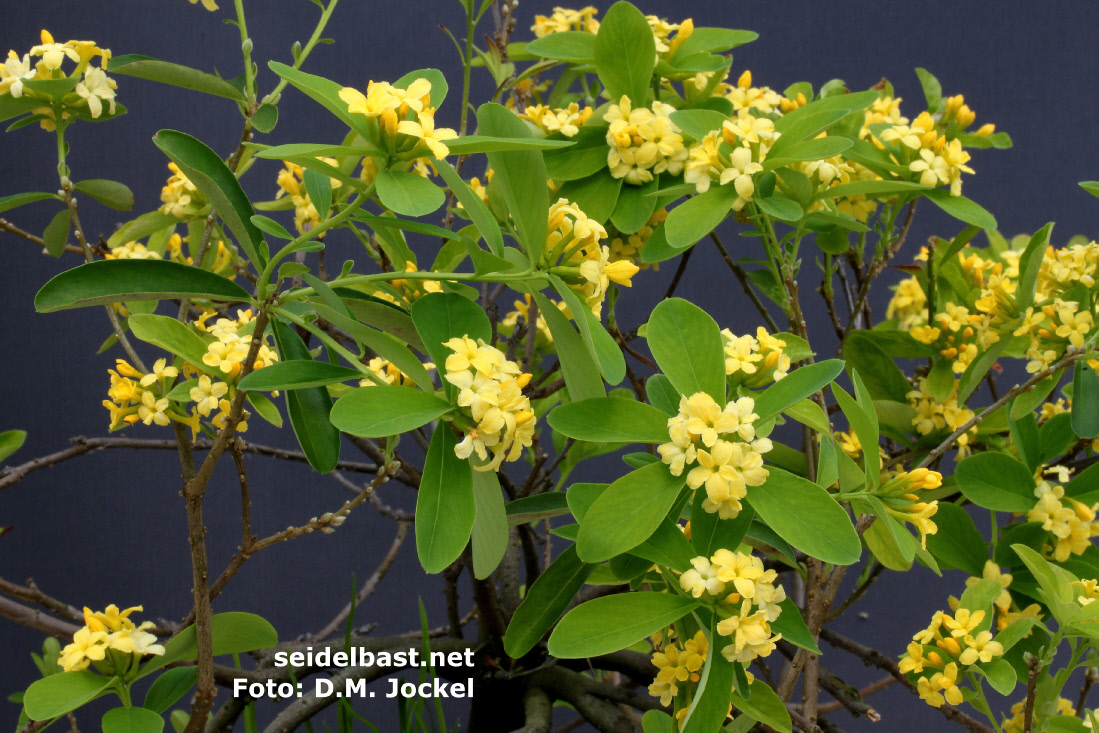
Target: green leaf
22,199
1028,401
1084,487
319,189
112,194
610,420
169,687
57,694
710,705
11,441
871,189
996,481
809,413
714,40
265,118
662,395
625,54
113,281
884,379
1091,187
295,151
932,90
654,721
440,317
628,512
796,386
576,46
579,369
865,425
56,234
962,208
710,533
1030,263
141,227
612,623
596,195
173,336
687,346
471,144
445,509
383,410
521,175
439,87
1055,589
146,67
534,508
820,527
1085,400
309,408
698,123
601,345
545,601
132,720
1015,632
213,178
475,208
697,217
813,149
667,546
407,193
1000,674
384,345
792,627
326,93
957,544
296,374
765,706
265,408
272,227
779,208
635,206
234,632
890,542
490,526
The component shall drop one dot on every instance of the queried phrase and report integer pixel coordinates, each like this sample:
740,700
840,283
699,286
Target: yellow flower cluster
643,142
934,416
180,197
137,397
565,121
732,156
1089,590
949,644
93,90
105,631
627,247
404,118
727,465
290,181
1071,523
958,336
908,304
574,238
755,361
131,251
491,386
564,19
1017,722
921,146
676,665
900,499
233,337
746,97
1004,603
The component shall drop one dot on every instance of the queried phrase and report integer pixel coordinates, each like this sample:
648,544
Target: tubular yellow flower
426,131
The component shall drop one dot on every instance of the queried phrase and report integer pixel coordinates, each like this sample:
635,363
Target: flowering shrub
755,474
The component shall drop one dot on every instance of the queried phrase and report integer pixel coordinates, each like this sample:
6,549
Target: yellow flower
564,19
751,635
941,687
207,394
425,130
980,648
180,197
87,646
210,5
160,372
566,121
378,99
701,578
963,622
95,89
739,569
914,660
153,410
992,572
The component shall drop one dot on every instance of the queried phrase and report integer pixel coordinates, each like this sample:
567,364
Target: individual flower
425,130
210,5
95,89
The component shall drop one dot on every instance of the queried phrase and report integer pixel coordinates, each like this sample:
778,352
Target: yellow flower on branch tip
54,54
432,136
153,410
110,618
87,646
210,5
980,648
941,687
207,394
96,89
701,578
160,371
963,622
378,99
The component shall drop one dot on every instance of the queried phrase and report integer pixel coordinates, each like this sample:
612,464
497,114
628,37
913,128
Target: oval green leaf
309,408
296,374
59,693
625,53
996,481
609,624
445,509
687,346
610,420
407,193
545,601
382,410
132,720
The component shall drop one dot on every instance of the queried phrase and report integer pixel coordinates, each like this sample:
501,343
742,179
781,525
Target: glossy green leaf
56,234
932,90
710,704
521,175
601,345
697,217
596,195
11,441
537,507
610,420
792,627
545,601
585,157
474,207
234,632
171,685
57,694
809,413
111,194
319,189
131,720
687,346
272,227
407,193
445,508
628,512
1055,589
1030,263
813,149
779,208
667,546
326,93
576,46
146,67
612,623
383,410
439,86
297,374
962,208
635,206
265,118
309,408
173,336
698,123
1000,675
141,227
472,144
884,379
580,370
440,317
1085,400
820,527
996,481
865,425
796,386
765,706
22,199
213,178
490,526
714,40
662,395
625,54
383,344
113,281
957,544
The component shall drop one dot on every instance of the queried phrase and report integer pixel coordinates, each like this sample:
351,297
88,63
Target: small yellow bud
745,80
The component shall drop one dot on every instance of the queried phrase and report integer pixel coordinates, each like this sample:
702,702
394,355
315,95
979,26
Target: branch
32,594
1072,355
7,226
1034,668
36,619
538,709
863,693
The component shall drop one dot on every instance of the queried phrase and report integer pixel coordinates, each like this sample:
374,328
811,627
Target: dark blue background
110,527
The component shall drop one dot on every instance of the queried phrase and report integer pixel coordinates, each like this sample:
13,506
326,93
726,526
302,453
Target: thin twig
1034,667
679,272
7,226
